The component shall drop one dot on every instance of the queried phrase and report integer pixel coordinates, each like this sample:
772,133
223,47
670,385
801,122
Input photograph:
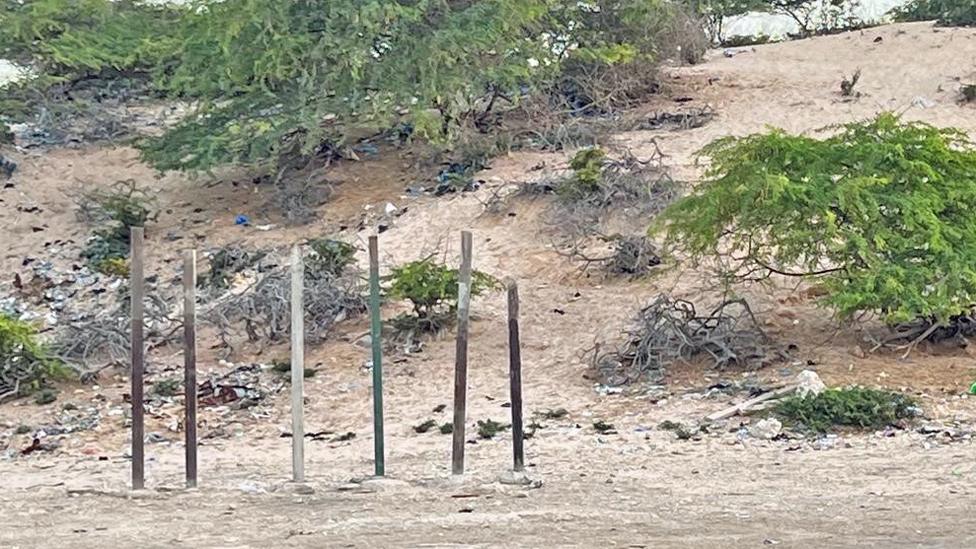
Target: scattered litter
809,383
242,219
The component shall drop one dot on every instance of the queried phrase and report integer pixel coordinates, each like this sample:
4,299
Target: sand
638,488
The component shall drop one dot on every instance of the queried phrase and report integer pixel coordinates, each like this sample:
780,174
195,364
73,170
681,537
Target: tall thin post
461,356
190,363
297,366
515,375
376,334
136,294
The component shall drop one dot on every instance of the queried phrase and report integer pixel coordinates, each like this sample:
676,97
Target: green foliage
879,214
715,12
227,262
587,166
283,369
89,36
604,428
425,426
24,362
166,387
849,407
117,210
446,428
432,290
114,266
968,92
488,428
957,13
45,396
330,258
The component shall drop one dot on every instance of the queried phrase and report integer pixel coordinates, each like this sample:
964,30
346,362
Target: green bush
432,290
849,407
958,13
587,166
880,214
330,258
25,364
117,209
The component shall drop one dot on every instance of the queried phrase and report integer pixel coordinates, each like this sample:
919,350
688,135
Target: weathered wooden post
136,295
190,363
376,335
461,355
297,366
515,375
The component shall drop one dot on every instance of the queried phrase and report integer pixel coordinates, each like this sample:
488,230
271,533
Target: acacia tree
879,214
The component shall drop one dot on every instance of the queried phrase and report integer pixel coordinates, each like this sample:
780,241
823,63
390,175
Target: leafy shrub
432,290
123,206
849,407
25,364
330,258
587,166
113,266
879,214
489,428
959,13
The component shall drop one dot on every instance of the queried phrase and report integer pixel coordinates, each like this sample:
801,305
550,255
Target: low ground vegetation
853,407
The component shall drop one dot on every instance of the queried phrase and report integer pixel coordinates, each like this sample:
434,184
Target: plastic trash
242,219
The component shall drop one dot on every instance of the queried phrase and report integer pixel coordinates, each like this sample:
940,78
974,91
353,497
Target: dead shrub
669,330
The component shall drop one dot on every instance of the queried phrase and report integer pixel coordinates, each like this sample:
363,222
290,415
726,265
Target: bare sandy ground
639,488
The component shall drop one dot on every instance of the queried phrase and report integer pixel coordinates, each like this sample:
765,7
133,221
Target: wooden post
190,363
297,366
136,295
376,335
461,356
515,375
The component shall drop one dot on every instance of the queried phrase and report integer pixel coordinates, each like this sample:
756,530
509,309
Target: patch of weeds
329,258
856,407
446,428
69,406
167,387
488,428
283,369
425,426
531,428
227,262
558,413
45,396
847,85
604,428
115,210
432,290
26,365
968,92
743,40
345,437
116,267
22,429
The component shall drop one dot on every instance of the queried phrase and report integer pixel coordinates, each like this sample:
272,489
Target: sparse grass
167,387
680,430
446,428
22,429
488,428
847,85
604,428
855,407
283,369
553,414
425,426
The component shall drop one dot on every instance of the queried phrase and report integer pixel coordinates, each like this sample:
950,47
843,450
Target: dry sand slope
637,488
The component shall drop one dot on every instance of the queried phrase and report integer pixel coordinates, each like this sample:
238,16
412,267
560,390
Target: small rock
857,351
809,383
766,429
515,478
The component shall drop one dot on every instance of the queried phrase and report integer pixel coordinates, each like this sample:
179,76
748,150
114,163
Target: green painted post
376,334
